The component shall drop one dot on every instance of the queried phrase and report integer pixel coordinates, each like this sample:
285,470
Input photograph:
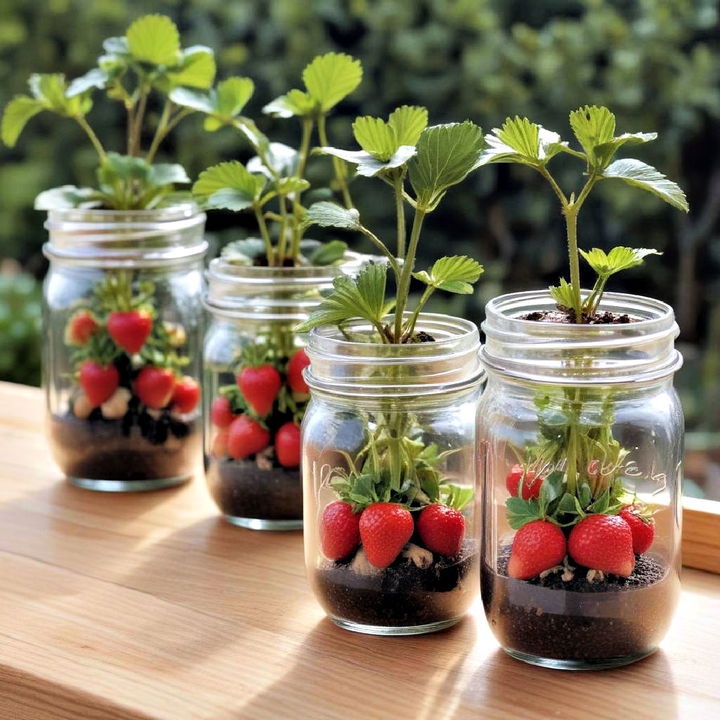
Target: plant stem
138,122
381,246
574,259
282,240
403,288
398,182
410,327
265,234
337,164
160,132
307,129
99,149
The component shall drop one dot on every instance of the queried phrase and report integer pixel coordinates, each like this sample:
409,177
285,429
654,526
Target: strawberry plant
136,70
272,183
395,478
573,476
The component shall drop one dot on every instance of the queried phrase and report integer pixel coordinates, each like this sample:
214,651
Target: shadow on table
503,682
337,673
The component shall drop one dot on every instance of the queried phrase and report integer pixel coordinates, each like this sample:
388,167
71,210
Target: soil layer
135,447
577,620
242,489
402,595
567,317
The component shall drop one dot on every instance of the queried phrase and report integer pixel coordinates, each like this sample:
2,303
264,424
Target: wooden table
150,606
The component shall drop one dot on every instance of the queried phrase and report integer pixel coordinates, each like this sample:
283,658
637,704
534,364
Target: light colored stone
81,406
422,557
362,566
117,404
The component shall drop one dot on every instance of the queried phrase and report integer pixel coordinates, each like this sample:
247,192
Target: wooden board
149,606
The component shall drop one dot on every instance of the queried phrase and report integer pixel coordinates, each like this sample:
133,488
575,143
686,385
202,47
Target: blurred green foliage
20,334
656,63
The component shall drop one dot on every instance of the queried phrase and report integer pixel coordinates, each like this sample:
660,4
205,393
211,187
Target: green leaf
281,159
196,69
123,168
366,164
66,196
244,252
455,496
362,297
295,102
222,104
95,78
452,274
329,214
563,294
594,127
643,176
167,174
408,122
445,155
619,258
328,253
331,77
520,512
228,185
154,39
16,115
520,141
51,91
375,137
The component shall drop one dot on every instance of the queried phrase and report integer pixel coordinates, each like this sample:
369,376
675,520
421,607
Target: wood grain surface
150,606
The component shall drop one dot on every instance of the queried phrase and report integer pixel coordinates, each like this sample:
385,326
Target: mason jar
389,476
255,394
580,450
123,320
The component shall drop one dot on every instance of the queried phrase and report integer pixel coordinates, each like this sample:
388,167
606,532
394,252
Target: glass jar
121,367
255,394
580,450
389,477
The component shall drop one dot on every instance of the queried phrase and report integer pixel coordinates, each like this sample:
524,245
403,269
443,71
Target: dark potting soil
567,317
578,620
242,489
137,446
402,595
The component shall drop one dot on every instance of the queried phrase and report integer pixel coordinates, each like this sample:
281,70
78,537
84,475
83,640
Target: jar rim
638,351
126,238
345,367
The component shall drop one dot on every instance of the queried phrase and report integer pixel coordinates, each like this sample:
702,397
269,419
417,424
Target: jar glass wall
255,394
580,448
389,477
123,322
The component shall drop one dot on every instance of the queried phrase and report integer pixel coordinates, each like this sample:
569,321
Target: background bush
656,63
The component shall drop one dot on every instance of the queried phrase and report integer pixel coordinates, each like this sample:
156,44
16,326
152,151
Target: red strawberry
530,484
219,446
441,529
260,386
339,530
98,381
642,528
298,362
603,542
537,546
186,395
130,329
154,386
80,327
246,436
385,528
287,445
221,412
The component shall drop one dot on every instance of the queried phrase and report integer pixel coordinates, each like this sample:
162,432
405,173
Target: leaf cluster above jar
147,62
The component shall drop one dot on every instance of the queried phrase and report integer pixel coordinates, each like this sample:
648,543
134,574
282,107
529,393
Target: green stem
400,212
138,122
282,239
404,283
265,234
381,246
574,259
307,129
337,164
99,149
160,132
410,326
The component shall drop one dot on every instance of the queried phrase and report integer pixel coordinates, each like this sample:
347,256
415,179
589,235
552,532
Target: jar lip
348,368
328,337
56,218
506,308
567,353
